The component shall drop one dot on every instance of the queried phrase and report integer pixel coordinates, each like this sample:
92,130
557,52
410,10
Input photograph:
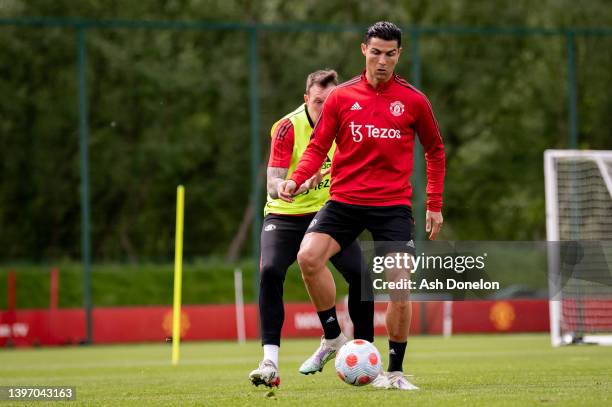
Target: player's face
381,58
314,100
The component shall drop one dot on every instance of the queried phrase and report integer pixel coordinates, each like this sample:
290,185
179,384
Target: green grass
479,370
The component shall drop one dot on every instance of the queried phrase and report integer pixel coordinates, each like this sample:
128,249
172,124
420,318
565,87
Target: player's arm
275,175
431,139
321,141
281,150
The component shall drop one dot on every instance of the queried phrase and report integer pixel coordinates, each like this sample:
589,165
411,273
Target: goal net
579,234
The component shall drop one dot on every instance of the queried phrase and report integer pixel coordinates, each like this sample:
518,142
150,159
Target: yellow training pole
178,274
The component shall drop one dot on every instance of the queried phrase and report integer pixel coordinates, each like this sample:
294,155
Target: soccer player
285,224
374,119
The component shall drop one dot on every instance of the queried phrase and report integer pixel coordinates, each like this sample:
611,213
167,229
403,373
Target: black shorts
281,236
392,227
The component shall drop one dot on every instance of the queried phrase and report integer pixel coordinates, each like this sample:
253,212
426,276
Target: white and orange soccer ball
358,362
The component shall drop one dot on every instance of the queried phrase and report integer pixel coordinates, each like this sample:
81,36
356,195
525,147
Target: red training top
282,145
374,131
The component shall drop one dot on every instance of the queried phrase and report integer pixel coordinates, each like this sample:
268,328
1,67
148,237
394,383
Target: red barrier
218,322
500,316
11,305
198,322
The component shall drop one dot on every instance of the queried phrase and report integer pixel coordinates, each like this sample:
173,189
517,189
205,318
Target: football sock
271,353
396,356
361,309
329,321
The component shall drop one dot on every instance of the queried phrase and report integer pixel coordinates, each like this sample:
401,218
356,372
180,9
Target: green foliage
475,370
172,106
113,285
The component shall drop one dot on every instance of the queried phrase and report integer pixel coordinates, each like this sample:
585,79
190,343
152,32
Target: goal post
578,187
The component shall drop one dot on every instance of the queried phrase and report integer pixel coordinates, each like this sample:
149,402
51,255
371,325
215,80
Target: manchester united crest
396,108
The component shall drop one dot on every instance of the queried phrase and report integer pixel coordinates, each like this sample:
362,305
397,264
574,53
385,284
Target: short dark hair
323,78
385,31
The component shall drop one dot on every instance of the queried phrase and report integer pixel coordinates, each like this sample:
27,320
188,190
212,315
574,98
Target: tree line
169,107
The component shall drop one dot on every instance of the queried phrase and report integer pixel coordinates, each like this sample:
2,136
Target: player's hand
433,223
312,182
318,177
286,190
303,188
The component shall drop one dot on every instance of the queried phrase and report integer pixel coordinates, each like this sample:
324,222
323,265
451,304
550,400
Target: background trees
170,106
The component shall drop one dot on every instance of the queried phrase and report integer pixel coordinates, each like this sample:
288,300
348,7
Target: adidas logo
392,352
330,319
356,106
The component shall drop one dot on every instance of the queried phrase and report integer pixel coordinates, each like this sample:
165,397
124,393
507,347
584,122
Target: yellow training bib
313,199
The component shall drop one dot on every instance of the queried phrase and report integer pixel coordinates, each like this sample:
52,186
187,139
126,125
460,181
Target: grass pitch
474,370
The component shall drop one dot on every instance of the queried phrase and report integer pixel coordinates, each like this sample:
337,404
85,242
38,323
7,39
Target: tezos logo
372,131
396,108
269,228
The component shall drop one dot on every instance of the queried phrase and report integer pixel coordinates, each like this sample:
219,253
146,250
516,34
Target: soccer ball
358,362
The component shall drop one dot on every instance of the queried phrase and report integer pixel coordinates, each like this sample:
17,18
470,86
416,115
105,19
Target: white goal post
578,185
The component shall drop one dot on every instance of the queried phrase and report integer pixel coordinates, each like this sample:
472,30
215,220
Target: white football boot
326,351
393,380
266,374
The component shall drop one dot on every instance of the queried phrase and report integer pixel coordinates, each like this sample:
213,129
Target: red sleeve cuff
434,203
298,181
